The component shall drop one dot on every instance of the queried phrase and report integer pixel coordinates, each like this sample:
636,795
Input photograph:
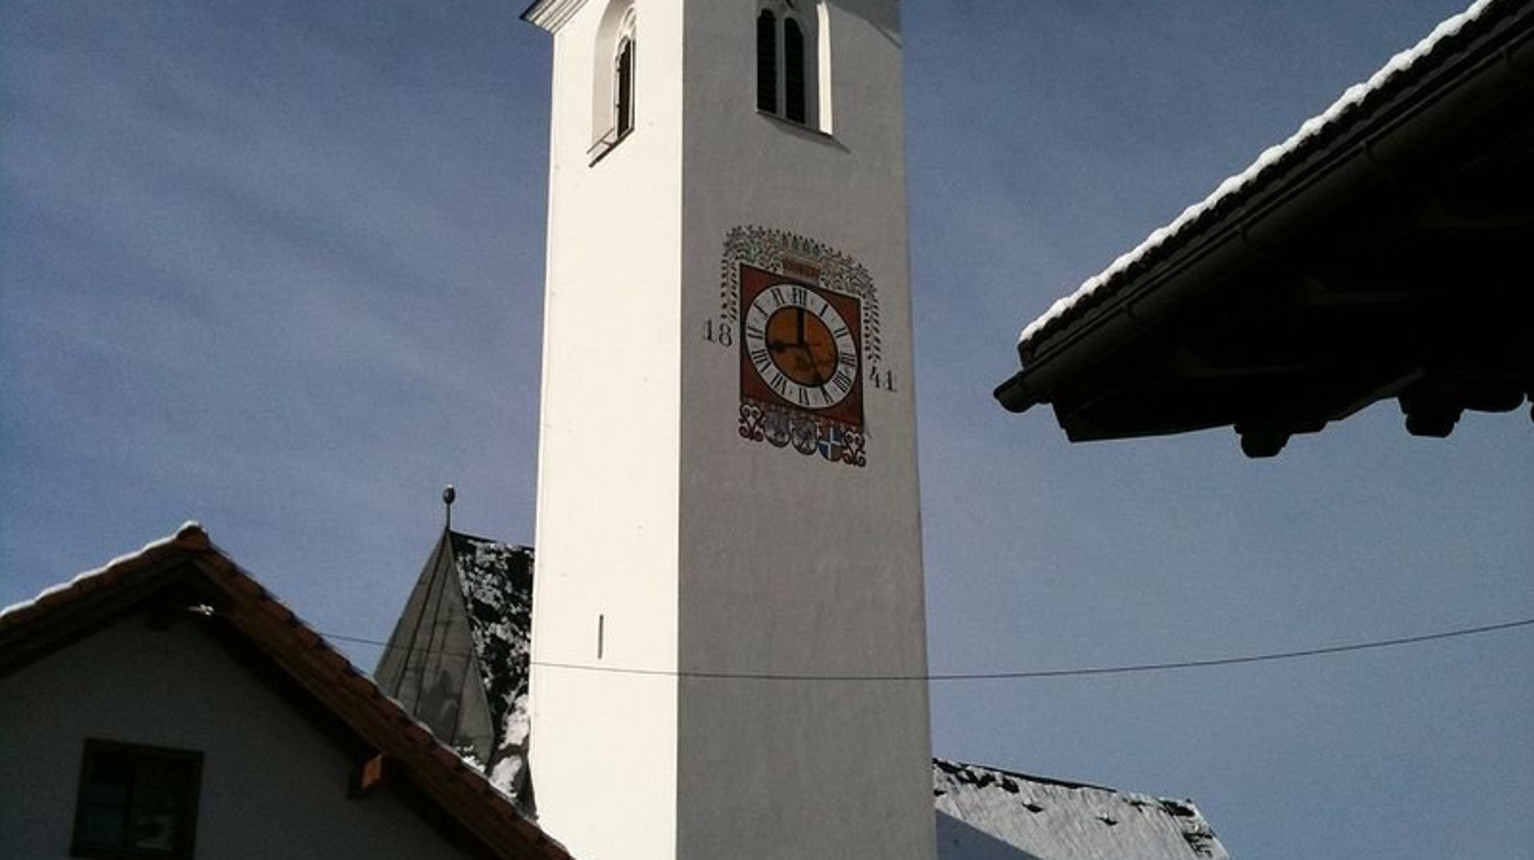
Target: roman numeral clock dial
800,346
801,366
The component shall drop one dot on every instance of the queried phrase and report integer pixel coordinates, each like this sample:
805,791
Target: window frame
767,53
623,87
615,76
795,72
185,766
791,38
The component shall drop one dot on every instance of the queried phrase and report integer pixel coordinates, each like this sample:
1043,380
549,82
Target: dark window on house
136,801
767,61
793,70
624,83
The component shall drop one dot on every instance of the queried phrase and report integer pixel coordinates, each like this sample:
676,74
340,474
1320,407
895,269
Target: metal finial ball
449,494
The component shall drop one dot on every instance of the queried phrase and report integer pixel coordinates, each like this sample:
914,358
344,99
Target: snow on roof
496,580
497,584
985,813
186,527
1268,163
473,600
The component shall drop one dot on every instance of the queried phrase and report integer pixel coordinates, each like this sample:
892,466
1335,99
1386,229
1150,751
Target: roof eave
1066,345
1458,35
550,15
1013,394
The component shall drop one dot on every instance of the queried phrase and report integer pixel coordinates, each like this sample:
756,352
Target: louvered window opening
625,87
767,61
793,71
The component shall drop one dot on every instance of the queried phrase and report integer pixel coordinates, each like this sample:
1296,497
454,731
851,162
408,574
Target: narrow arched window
793,70
614,78
623,83
767,61
790,61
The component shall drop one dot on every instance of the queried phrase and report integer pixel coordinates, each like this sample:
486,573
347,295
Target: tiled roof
980,809
68,613
1273,166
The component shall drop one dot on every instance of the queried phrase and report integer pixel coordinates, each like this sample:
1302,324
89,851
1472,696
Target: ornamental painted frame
836,435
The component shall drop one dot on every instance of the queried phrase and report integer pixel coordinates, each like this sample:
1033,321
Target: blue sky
277,267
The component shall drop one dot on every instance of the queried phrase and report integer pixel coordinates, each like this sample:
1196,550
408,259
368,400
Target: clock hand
820,377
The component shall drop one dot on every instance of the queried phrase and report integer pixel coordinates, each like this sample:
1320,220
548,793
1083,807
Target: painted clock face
801,346
799,329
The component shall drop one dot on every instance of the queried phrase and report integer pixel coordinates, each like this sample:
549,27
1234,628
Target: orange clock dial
801,345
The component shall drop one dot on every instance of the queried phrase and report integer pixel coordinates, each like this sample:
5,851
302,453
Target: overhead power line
1030,674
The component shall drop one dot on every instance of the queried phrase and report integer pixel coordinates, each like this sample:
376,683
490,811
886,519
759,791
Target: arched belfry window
623,99
793,70
791,62
767,61
613,77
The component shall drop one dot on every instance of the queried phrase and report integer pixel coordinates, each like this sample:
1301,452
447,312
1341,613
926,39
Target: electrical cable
1035,674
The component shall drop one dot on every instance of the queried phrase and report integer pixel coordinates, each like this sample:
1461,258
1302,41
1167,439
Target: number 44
884,380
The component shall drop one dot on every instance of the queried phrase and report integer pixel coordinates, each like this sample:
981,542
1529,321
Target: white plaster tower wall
604,755
793,565
694,548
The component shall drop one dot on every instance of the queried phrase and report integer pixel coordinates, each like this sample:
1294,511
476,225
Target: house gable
152,645
274,781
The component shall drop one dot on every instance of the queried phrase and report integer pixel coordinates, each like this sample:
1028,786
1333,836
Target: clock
800,347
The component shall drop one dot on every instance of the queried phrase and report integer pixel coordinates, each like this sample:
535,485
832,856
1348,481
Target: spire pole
448,496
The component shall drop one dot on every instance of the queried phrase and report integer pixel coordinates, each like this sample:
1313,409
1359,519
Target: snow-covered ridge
496,580
497,584
192,525
990,814
1265,163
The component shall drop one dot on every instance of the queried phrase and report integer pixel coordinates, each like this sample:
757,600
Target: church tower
730,629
